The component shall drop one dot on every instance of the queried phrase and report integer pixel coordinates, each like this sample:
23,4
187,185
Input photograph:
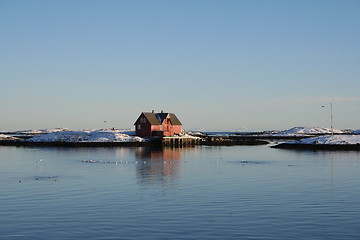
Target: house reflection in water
158,165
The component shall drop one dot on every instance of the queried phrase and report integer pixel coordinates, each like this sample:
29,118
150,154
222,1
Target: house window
139,127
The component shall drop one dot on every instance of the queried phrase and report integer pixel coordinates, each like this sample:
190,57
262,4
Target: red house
157,124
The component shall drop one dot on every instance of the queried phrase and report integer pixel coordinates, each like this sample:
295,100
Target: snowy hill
307,131
103,135
41,131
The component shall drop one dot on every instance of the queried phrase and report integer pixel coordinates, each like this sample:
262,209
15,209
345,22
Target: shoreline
301,146
74,144
336,147
102,138
150,143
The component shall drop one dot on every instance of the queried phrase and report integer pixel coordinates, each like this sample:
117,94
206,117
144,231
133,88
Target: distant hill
308,130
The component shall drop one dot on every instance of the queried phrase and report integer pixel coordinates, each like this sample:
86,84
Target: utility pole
331,118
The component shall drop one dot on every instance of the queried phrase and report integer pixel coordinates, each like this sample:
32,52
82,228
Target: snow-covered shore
65,135
7,137
292,132
331,140
315,137
103,135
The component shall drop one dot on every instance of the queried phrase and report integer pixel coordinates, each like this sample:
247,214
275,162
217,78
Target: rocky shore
342,147
326,142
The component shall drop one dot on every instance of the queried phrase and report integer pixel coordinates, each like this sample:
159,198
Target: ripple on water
249,162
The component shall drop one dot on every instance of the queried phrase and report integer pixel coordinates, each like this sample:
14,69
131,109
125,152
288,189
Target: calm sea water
238,192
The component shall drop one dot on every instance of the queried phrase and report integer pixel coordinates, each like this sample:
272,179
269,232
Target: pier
180,141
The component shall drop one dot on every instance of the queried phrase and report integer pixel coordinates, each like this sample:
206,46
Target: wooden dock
180,141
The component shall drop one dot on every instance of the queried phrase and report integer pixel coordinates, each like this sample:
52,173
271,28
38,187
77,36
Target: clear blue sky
219,65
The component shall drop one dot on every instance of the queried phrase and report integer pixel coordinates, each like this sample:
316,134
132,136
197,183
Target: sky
235,65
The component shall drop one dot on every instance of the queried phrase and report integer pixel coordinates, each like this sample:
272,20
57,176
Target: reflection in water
190,193
158,165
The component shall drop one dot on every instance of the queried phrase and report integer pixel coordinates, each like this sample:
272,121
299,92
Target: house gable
150,117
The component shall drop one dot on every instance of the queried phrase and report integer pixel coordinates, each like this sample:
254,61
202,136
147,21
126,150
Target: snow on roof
336,139
102,135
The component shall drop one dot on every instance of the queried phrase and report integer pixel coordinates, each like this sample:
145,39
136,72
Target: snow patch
196,133
7,138
333,140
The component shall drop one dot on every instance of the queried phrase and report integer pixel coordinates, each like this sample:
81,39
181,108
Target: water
238,192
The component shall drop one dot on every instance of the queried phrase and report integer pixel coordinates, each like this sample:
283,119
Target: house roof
151,117
158,118
174,120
